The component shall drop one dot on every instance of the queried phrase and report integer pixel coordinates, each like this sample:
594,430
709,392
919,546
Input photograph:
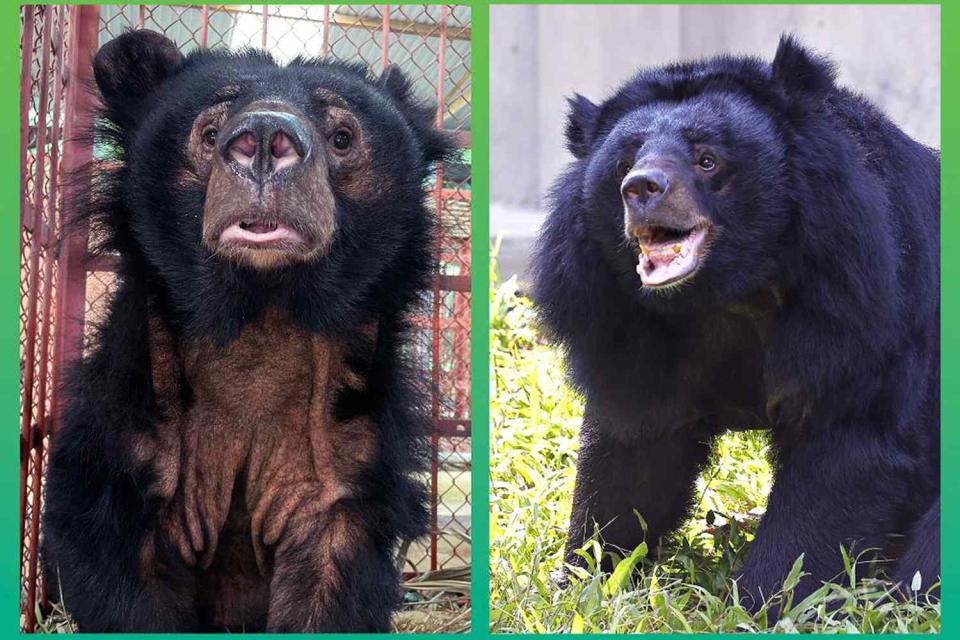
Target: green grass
535,419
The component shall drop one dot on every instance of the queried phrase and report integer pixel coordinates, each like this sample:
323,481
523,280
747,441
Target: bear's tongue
665,263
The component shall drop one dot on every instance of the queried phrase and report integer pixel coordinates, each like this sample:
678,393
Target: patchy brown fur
199,153
256,461
353,174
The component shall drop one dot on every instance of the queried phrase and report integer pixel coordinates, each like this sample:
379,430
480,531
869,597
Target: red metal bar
102,263
461,336
204,25
437,337
441,61
461,33
266,17
48,242
460,284
26,88
36,208
77,151
425,323
385,38
34,284
143,17
325,49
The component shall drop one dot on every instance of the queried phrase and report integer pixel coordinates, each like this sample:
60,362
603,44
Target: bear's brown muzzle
269,201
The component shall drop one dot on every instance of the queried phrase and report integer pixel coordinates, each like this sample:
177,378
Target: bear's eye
210,136
707,162
341,140
623,168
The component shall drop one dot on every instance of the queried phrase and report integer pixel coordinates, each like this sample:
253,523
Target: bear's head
710,180
233,183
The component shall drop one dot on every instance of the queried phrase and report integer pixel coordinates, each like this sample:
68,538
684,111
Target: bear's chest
260,378
249,437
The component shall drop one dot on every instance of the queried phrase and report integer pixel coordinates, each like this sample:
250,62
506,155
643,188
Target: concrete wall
541,53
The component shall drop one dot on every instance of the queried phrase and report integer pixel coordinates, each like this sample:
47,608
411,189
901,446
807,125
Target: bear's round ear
395,82
805,77
437,145
132,65
581,125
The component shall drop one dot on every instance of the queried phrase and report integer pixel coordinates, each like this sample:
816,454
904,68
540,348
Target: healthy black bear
742,245
241,443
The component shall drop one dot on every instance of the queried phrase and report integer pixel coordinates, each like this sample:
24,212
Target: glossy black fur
815,315
97,512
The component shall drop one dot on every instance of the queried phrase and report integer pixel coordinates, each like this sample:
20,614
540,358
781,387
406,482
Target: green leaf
620,578
796,572
811,600
577,625
583,553
589,600
643,523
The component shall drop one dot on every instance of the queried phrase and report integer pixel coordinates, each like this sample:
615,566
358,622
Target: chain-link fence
63,292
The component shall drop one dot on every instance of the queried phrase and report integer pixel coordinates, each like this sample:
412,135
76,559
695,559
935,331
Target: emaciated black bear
740,245
240,447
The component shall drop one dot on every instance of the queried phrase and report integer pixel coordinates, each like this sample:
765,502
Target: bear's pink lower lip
259,235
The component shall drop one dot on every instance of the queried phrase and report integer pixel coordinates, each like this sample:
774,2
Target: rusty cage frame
62,291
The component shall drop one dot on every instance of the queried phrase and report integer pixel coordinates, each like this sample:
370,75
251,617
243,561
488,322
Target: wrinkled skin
758,249
239,448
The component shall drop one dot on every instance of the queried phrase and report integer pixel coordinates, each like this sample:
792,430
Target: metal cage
62,293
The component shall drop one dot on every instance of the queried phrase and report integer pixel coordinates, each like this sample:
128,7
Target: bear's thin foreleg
652,475
332,574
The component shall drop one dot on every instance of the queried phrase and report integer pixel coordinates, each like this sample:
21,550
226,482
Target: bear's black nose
644,185
262,143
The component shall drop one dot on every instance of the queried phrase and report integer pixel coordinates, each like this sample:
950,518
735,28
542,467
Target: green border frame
949,310
10,336
480,319
9,276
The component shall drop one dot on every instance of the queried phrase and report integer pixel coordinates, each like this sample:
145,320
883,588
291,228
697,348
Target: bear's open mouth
668,255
